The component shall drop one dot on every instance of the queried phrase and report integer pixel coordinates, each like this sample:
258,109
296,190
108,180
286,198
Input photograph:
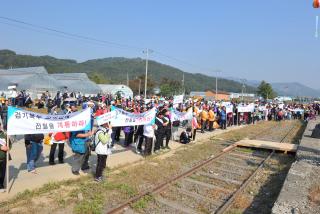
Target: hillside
114,70
293,89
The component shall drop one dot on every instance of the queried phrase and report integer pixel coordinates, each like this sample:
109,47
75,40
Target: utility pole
147,51
139,86
127,79
243,86
184,90
217,71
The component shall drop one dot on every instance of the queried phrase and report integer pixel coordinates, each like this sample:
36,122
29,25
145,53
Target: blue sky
271,40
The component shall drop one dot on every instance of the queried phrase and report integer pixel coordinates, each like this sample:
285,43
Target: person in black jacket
167,120
139,138
160,132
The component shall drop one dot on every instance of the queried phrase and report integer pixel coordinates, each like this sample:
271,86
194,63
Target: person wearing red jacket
58,138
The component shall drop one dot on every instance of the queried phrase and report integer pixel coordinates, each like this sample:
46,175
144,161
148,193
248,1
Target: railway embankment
301,190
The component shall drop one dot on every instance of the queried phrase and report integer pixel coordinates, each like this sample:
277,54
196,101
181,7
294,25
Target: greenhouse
77,82
34,80
123,90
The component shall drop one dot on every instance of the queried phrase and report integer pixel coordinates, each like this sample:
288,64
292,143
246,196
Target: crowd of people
151,138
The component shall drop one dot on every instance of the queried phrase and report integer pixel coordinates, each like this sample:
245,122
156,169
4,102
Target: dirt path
21,179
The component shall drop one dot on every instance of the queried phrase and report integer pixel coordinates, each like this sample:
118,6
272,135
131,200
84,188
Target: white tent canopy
124,90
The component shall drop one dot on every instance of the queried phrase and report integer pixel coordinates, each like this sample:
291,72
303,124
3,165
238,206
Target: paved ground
302,178
21,180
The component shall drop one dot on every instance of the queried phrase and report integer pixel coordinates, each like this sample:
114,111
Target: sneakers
85,168
52,163
99,179
138,151
75,173
2,190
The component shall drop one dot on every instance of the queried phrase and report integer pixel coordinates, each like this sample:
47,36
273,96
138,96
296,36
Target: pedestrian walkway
21,179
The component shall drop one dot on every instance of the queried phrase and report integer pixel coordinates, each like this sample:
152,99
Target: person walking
102,142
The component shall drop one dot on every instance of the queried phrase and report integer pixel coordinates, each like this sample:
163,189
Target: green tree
265,90
170,87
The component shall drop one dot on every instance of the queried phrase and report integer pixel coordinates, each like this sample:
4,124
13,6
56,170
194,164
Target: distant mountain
114,70
293,89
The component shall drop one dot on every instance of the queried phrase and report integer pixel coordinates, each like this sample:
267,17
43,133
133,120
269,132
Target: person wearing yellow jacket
204,118
211,118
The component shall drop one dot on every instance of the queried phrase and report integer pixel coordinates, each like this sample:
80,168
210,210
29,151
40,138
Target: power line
70,34
92,40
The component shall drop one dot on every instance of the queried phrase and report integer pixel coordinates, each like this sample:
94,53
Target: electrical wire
91,40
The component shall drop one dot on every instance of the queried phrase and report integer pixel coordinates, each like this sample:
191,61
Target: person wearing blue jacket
223,118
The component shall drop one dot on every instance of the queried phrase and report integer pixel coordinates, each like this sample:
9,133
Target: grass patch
314,194
234,211
142,203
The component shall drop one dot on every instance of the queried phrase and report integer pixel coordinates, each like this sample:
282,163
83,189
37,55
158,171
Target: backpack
78,145
96,141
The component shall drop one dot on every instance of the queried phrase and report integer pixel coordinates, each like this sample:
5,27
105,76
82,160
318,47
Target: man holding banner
26,122
3,158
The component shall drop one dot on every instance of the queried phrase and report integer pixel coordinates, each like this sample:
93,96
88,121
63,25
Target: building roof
218,92
198,93
38,70
77,82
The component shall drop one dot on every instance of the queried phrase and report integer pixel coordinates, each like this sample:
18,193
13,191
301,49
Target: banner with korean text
27,122
180,116
120,117
106,117
248,108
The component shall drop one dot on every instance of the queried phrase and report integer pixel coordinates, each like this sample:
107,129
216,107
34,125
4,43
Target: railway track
212,185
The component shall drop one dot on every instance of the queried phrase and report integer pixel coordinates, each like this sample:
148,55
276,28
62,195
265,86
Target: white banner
106,117
27,122
248,108
229,106
119,117
178,99
180,116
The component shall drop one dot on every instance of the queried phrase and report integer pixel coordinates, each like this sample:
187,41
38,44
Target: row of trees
167,87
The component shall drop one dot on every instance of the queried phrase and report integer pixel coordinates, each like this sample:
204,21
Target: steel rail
165,184
230,201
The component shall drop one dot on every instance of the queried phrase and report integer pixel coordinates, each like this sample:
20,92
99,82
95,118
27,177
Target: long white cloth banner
27,122
119,117
180,116
106,117
248,108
